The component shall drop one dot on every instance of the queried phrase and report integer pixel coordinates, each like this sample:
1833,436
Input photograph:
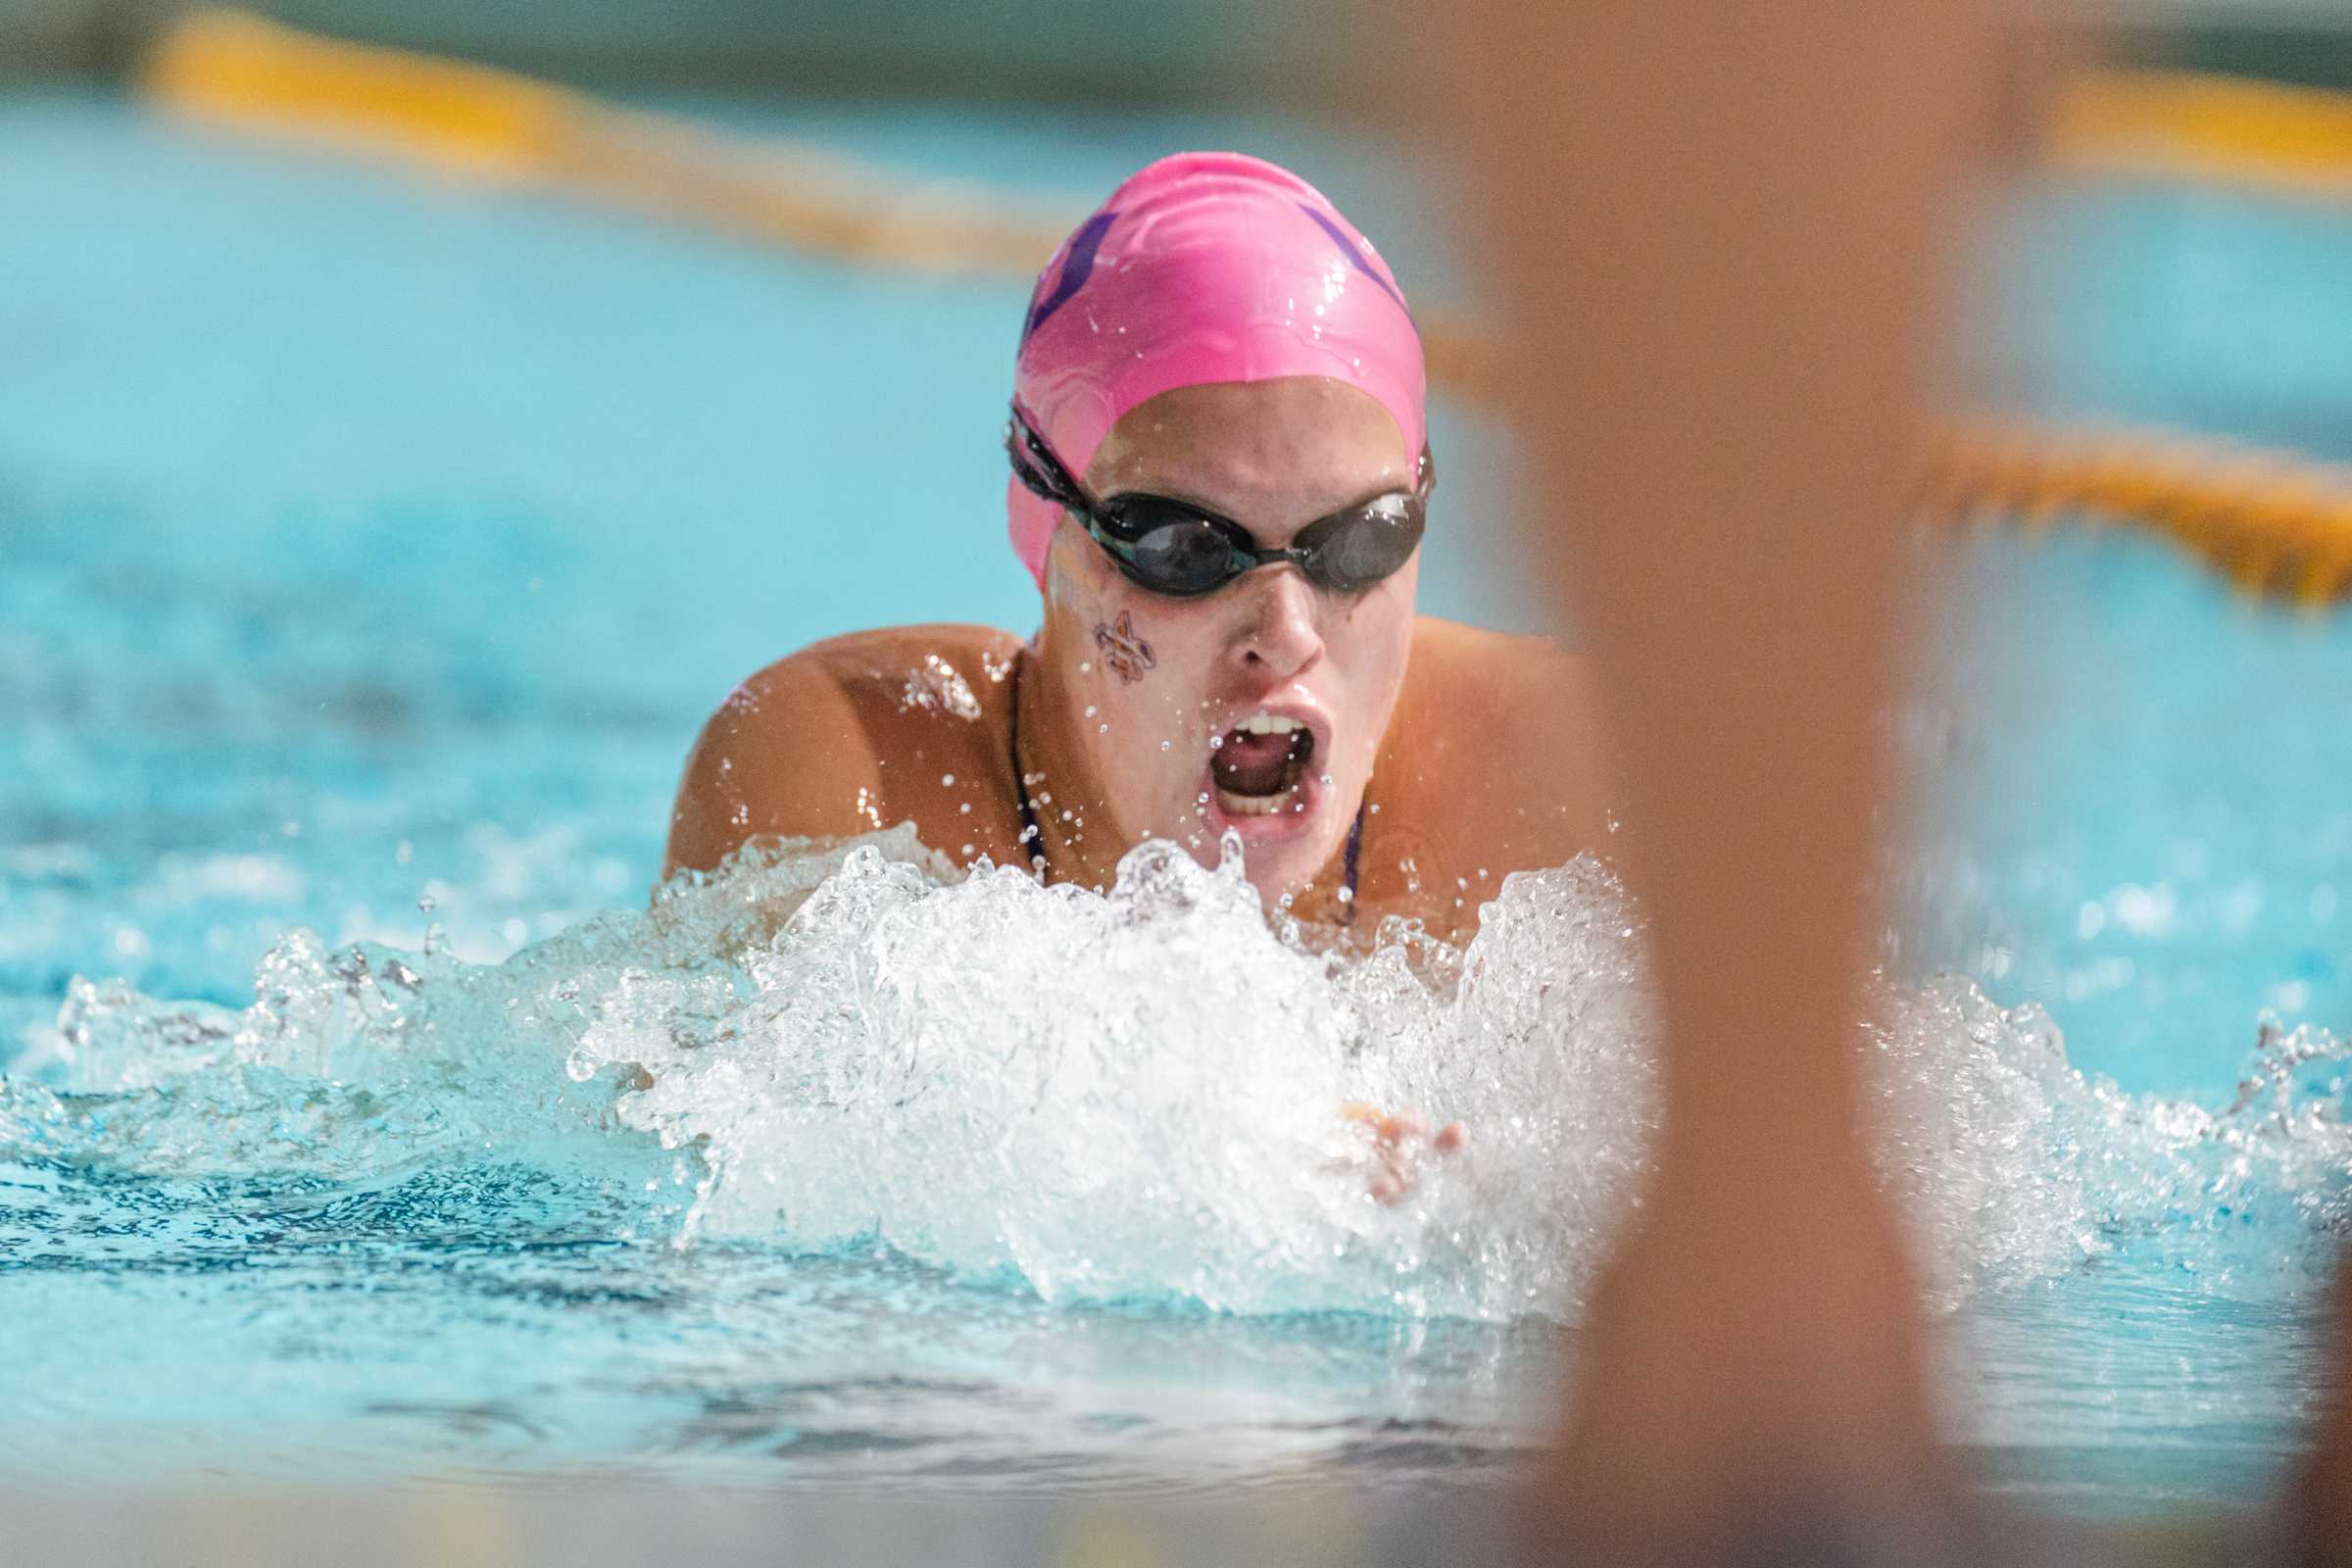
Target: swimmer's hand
1398,1145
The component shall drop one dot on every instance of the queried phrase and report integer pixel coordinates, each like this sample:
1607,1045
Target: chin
1278,869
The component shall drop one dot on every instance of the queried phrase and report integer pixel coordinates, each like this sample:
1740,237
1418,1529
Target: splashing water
1103,1098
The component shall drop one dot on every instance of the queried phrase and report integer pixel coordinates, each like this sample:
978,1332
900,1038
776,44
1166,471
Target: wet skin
1474,753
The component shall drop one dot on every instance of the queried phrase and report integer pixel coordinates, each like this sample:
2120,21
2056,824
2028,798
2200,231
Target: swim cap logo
1076,268
1347,248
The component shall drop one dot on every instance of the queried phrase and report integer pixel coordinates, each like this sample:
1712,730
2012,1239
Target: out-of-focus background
1189,52
1185,52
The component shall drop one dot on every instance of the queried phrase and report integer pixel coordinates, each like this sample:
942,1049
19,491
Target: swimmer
1221,483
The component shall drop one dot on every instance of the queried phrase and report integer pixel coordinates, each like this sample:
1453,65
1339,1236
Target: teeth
1268,724
1253,805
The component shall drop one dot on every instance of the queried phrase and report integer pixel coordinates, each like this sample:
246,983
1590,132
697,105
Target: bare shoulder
840,737
1496,761
1472,676
907,669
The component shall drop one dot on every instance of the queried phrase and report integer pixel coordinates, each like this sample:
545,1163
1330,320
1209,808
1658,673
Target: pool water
374,547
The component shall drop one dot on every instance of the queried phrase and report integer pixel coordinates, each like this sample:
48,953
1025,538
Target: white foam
1131,1095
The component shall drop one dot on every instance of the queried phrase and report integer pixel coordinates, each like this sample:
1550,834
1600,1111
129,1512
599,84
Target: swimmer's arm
786,754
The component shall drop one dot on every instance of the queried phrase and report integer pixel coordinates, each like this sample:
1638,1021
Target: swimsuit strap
1030,834
1035,837
1355,845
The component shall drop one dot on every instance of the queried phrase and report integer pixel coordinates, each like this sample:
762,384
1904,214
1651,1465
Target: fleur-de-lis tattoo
1123,651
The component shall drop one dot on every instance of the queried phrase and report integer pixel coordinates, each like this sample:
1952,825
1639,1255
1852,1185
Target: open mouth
1257,765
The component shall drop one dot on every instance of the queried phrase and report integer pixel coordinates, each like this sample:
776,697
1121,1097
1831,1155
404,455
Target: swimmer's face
1260,706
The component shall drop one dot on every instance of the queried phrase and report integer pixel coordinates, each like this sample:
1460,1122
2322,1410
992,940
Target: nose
1278,635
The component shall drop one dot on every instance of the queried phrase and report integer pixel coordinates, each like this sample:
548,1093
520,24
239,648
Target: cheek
1140,662
1373,645
1148,663
1375,638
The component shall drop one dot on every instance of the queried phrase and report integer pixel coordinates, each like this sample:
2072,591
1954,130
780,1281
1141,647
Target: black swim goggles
1173,547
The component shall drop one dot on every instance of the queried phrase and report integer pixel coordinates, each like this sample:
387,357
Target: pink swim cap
1201,268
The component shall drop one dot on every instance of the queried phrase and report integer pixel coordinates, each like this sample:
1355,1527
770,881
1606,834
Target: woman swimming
1220,477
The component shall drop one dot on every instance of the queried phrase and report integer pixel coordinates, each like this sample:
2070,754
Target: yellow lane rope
239,71
2187,126
228,69
2274,523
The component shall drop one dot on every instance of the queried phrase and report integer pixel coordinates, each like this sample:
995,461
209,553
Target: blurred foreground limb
2318,1511
1720,232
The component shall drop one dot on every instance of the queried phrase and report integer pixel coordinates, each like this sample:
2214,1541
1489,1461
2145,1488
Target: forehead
1300,437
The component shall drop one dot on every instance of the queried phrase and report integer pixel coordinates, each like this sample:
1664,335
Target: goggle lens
1171,553
1371,542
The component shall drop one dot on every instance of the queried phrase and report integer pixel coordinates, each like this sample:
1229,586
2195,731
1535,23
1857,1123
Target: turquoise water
373,549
